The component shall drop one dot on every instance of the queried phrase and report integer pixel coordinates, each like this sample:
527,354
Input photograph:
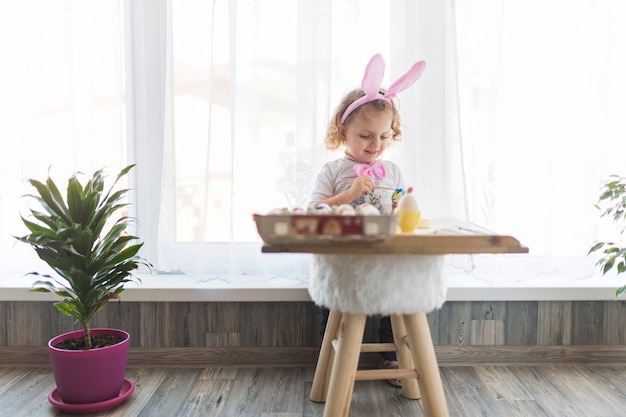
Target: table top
443,236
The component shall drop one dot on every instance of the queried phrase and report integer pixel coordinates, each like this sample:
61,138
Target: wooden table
443,236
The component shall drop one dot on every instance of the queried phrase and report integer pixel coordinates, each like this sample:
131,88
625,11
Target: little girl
360,176
364,124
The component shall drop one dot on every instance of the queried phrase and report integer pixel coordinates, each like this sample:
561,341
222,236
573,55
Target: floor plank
490,391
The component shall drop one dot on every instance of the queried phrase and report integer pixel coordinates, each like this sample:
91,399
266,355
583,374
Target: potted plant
85,242
613,199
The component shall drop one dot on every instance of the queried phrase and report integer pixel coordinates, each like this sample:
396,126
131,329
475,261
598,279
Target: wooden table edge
408,244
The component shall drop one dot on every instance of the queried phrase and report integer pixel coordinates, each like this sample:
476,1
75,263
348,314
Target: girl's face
367,134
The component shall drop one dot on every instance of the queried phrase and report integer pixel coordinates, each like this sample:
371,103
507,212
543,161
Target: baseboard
191,357
228,356
307,356
531,355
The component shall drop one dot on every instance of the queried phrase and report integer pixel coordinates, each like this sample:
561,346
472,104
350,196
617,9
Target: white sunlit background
513,126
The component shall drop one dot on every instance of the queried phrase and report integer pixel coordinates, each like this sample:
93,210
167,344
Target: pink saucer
127,388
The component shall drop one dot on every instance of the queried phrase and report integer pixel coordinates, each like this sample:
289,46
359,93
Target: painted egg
322,209
278,211
408,203
367,209
346,210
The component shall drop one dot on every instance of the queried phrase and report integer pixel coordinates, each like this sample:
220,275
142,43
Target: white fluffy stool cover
378,284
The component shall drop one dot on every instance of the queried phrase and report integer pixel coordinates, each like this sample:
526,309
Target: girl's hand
361,185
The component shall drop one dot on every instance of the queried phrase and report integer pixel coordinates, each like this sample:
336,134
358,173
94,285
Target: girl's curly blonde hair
334,135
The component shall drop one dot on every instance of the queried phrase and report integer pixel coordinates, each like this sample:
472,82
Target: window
62,107
228,103
252,88
540,116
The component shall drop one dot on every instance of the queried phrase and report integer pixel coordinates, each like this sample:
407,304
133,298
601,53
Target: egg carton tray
322,228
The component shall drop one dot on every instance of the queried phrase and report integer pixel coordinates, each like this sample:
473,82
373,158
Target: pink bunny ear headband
374,77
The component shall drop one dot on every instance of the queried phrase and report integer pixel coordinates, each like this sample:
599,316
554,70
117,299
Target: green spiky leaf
83,237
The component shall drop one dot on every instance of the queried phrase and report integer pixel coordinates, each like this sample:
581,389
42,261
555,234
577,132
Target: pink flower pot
89,376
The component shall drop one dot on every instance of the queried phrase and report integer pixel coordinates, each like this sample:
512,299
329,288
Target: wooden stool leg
421,345
410,388
319,389
345,365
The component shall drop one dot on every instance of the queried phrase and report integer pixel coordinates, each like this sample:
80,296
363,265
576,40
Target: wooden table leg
345,365
421,344
325,360
410,388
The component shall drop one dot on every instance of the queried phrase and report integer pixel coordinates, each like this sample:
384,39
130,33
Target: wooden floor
471,391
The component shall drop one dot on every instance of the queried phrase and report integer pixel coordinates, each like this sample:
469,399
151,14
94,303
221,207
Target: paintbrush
375,186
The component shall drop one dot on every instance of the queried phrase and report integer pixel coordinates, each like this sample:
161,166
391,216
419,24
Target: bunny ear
373,77
407,79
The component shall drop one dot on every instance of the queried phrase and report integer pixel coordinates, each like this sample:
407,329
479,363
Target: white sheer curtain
541,99
514,124
253,85
62,103
517,119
